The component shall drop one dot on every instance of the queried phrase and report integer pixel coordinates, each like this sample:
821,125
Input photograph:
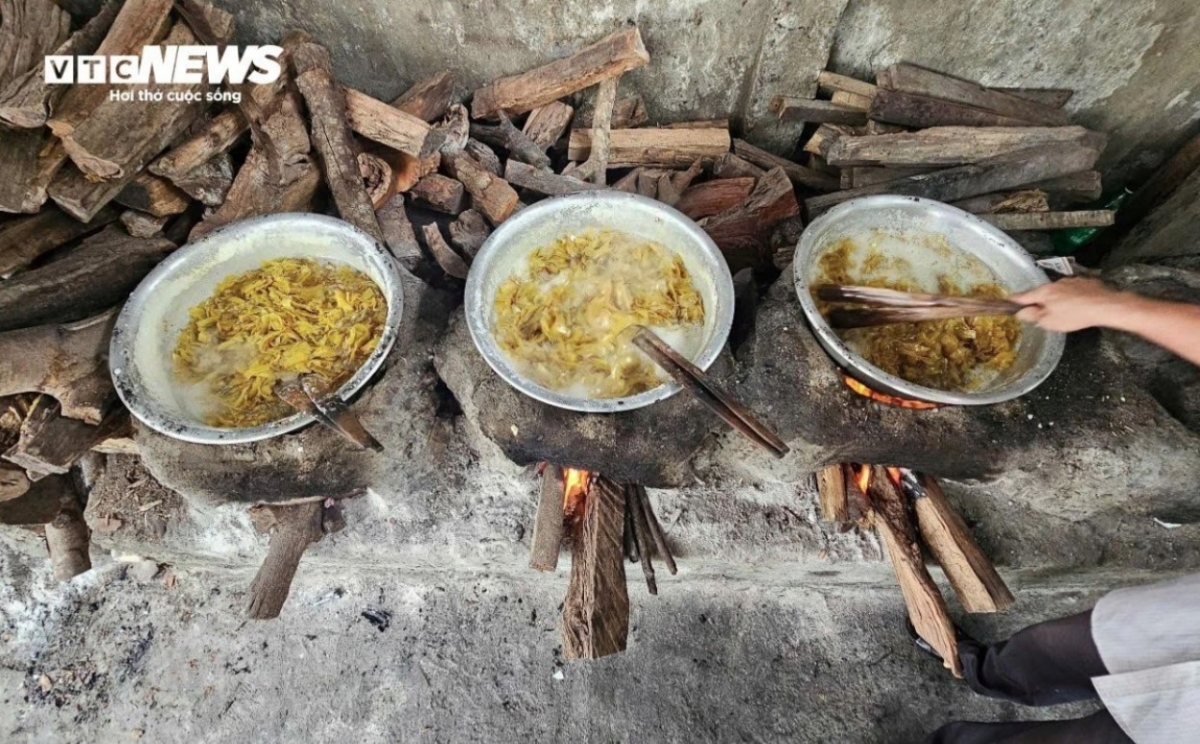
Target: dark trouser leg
1045,664
1098,728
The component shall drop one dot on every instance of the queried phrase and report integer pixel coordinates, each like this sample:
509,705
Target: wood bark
29,30
628,182
428,99
439,193
490,194
595,168
596,608
378,179
543,182
142,225
611,56
944,146
67,362
996,174
732,166
29,158
1084,186
23,240
912,110
293,528
788,108
215,138
798,174
741,232
1051,220
398,233
449,261
672,148
546,542
455,129
484,155
714,197
864,175
672,185
546,124
209,183
825,135
974,578
519,146
469,232
910,78
13,482
390,126
153,195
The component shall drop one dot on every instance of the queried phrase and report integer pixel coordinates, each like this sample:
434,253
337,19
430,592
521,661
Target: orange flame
576,484
891,400
863,477
894,477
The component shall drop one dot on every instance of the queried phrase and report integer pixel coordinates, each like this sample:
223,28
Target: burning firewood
292,527
596,608
67,362
25,239
546,542
429,98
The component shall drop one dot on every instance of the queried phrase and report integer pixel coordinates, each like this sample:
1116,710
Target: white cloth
1149,640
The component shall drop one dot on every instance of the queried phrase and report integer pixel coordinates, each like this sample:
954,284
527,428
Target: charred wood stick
546,542
292,528
469,232
671,148
1007,171
543,182
796,172
25,239
641,535
613,55
656,530
490,194
713,197
519,146
1051,220
216,137
67,362
51,443
945,146
398,234
439,193
546,124
788,108
446,258
389,126
596,608
632,551
153,195
428,99
97,275
909,78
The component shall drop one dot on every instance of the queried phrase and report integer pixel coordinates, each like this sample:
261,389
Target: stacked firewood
1006,154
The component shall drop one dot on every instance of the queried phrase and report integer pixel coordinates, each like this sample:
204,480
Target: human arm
1075,304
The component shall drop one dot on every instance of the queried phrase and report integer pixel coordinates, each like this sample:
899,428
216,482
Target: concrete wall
1133,62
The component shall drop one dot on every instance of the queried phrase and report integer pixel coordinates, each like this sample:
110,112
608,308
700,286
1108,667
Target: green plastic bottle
1067,242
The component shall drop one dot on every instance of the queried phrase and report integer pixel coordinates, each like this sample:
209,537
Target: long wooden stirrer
885,306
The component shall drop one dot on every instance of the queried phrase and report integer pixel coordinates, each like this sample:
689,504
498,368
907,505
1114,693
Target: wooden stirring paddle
886,306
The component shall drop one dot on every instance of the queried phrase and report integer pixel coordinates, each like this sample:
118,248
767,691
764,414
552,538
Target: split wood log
331,137
943,146
671,148
647,182
595,168
909,78
1007,171
216,137
67,362
1085,186
543,182
853,177
628,182
428,99
852,101
293,527
390,126
95,276
398,233
470,231
788,108
882,127
40,504
484,155
797,173
1052,97
546,542
741,232
672,185
51,443
628,112
613,55
446,258
831,82
1051,220
519,146
546,124
596,608
1030,200
926,606
912,110
29,30
826,134
25,101
439,193
714,197
378,179
29,159
153,195
24,239
209,183
142,225
732,166
68,538
831,487
490,194
973,577
455,129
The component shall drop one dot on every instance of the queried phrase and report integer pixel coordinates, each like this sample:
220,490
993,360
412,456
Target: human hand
1072,304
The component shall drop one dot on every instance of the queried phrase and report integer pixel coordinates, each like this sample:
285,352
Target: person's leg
1045,664
1098,728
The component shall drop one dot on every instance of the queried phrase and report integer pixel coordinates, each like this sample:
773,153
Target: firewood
519,146
1051,220
788,108
973,577
95,276
995,174
882,127
67,362
153,195
378,178
825,135
595,168
647,182
546,542
639,528
470,231
831,82
293,527
628,112
485,156
940,146
1029,200
672,185
831,487
455,129
913,110
439,193
926,606
613,55
398,233
50,443
1084,186
741,232
853,101
40,504
389,126
29,30
657,535
68,539
865,175
909,78
596,608
546,124
451,262
797,173
543,182
490,194
26,100
209,183
25,239
628,182
216,137
732,166
331,137
1052,97
714,197
428,99
672,148
142,225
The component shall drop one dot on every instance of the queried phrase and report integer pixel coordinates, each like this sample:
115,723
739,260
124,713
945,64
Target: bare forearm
1173,325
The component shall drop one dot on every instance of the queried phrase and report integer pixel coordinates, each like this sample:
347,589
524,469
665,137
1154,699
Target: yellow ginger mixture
287,318
563,321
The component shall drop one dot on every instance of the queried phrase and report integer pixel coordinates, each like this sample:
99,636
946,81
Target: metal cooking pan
933,238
